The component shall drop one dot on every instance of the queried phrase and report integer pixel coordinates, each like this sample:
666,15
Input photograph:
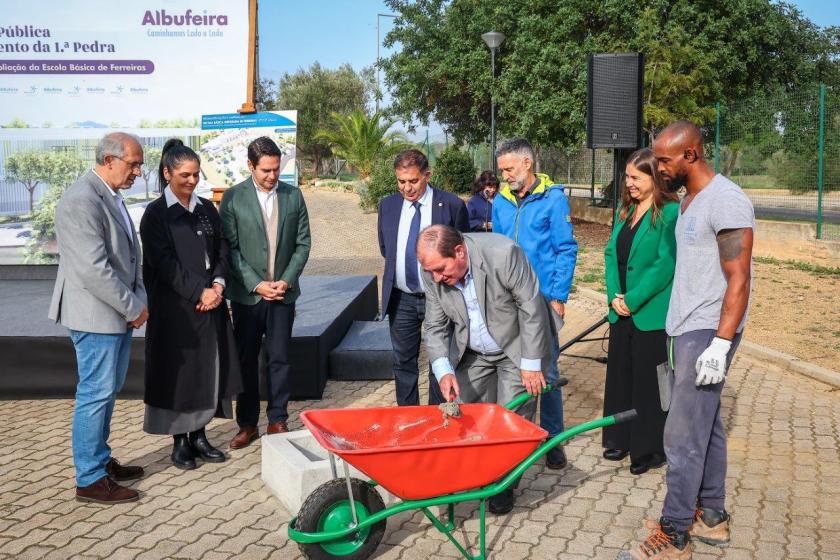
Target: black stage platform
37,358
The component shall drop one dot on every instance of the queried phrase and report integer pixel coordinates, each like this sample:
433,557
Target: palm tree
361,140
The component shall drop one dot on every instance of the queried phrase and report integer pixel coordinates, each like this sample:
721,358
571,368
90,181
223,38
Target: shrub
454,171
380,184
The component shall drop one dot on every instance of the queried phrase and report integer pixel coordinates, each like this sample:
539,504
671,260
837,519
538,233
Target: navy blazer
447,209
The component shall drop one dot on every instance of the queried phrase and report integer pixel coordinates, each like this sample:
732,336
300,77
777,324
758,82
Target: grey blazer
514,310
99,286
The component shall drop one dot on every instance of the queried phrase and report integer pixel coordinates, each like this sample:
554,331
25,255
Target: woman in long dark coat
192,369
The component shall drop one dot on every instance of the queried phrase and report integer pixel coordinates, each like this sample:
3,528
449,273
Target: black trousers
274,320
631,383
405,318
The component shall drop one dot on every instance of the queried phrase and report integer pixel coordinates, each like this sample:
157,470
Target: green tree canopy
697,52
361,140
318,92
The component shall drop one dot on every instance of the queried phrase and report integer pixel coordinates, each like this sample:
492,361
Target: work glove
711,365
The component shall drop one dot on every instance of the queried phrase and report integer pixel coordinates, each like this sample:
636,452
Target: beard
676,183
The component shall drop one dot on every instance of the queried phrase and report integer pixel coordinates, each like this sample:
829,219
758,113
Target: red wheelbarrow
409,452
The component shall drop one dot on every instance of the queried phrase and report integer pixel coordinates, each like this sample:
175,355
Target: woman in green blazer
640,258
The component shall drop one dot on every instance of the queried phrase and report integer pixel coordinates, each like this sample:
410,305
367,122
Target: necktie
412,281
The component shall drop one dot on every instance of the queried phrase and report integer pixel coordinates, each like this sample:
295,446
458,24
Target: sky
294,33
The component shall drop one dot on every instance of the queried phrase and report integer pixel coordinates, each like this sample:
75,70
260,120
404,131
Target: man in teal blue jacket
534,212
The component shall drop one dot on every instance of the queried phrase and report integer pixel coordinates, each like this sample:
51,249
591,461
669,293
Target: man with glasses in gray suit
99,296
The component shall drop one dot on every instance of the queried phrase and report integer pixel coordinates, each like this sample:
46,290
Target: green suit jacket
650,268
243,227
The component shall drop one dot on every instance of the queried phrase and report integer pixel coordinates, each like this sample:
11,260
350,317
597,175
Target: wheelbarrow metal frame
449,500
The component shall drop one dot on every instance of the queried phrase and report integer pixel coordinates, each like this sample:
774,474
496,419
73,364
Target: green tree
16,123
151,163
318,92
380,184
30,168
60,170
361,140
265,96
454,171
698,52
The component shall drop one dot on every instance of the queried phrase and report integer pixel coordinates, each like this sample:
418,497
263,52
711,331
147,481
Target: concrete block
365,352
294,465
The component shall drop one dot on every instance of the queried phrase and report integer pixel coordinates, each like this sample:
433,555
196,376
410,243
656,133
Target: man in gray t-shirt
706,317
699,279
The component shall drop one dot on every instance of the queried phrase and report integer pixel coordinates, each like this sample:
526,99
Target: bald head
679,155
682,135
442,253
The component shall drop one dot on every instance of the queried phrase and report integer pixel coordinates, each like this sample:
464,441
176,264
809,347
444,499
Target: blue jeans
103,362
551,404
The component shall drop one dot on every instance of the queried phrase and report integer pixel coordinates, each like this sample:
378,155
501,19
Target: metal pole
717,137
592,183
493,108
350,494
820,163
378,90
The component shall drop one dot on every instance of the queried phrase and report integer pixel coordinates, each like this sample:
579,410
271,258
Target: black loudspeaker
614,100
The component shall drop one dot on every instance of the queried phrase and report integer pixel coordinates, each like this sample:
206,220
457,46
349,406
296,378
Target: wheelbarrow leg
448,528
350,494
332,465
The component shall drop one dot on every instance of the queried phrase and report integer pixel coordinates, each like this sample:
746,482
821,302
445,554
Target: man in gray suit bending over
485,315
99,296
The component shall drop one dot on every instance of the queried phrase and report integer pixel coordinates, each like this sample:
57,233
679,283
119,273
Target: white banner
133,63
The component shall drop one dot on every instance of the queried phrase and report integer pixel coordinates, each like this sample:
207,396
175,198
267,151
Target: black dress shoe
203,449
644,464
183,455
615,454
502,502
556,458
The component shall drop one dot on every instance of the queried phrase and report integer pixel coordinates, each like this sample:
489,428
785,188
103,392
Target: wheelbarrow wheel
328,509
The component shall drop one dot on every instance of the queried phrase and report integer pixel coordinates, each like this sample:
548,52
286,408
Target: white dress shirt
266,199
406,215
480,341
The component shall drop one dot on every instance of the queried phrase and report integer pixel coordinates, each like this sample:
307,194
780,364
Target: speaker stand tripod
582,338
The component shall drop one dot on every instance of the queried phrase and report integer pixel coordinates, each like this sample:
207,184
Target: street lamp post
493,39
378,92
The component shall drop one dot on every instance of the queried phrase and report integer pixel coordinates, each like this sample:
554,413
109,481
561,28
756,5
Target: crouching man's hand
449,387
534,381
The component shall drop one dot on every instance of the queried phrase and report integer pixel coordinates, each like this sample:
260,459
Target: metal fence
782,149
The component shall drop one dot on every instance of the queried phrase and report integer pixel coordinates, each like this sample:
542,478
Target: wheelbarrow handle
522,398
625,416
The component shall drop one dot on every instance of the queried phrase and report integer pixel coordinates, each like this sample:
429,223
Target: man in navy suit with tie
401,217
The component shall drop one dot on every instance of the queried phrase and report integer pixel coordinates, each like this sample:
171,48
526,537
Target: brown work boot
106,491
663,543
277,428
711,526
244,437
122,472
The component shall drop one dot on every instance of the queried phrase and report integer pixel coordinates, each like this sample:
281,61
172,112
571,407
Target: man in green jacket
267,226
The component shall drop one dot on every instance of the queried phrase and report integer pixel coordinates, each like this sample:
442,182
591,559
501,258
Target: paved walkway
783,481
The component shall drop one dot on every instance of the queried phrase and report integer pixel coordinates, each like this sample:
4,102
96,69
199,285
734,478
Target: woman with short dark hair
192,370
480,205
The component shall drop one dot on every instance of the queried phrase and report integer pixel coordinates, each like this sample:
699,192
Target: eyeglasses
131,164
